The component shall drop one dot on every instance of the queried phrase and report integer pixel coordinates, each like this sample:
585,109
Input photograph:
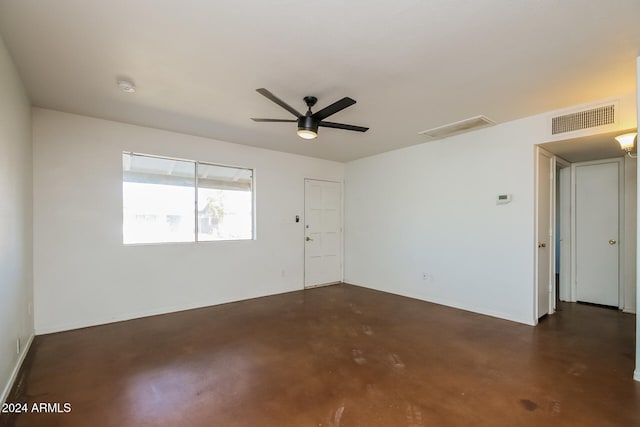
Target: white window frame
197,163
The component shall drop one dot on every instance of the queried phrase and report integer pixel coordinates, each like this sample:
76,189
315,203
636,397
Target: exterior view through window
168,200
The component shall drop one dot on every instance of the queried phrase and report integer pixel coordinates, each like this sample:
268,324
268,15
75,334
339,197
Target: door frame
536,258
556,163
564,212
621,237
304,232
565,191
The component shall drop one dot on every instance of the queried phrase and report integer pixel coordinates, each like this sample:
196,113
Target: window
168,200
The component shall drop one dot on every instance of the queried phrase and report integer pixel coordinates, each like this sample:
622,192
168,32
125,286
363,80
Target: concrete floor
336,356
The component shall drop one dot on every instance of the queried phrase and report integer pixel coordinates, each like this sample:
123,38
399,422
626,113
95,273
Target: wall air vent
451,129
586,119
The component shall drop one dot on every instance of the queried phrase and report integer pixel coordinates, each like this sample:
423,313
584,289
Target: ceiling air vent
465,125
600,116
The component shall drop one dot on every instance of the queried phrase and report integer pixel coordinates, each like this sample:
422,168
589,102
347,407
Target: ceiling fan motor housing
308,123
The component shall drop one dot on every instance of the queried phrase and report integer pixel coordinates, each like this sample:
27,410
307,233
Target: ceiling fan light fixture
307,134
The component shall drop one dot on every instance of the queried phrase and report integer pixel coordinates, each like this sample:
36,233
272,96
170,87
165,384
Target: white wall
83,275
431,209
636,375
16,284
630,214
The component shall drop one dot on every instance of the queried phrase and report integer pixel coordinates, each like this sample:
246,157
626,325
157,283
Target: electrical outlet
18,346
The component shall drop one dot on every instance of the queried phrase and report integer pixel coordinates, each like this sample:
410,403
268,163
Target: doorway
322,232
576,205
579,153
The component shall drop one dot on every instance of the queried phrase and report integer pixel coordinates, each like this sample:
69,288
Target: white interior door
545,165
323,232
597,227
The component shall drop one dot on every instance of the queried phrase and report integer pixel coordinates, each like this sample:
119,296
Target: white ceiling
410,64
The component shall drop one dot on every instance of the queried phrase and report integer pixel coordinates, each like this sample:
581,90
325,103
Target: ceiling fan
308,123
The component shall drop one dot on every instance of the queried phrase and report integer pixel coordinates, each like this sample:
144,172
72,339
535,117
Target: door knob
309,239
542,245
612,242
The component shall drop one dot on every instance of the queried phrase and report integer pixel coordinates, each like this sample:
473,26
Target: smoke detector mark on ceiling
126,86
466,125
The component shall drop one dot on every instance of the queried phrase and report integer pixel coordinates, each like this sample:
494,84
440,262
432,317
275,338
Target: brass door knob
612,242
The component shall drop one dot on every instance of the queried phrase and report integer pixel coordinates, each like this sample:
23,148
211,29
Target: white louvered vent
465,125
600,116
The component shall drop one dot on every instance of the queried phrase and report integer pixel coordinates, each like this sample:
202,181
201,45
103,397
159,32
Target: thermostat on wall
503,199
